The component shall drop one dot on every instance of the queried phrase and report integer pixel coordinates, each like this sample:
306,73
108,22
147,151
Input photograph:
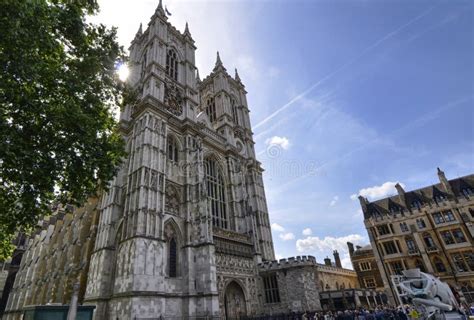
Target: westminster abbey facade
183,231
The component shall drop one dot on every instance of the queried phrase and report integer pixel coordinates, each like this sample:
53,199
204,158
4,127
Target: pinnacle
237,75
218,60
186,30
198,79
159,10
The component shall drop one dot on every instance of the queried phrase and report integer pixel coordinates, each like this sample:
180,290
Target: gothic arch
173,63
172,253
439,264
173,147
221,163
179,54
235,297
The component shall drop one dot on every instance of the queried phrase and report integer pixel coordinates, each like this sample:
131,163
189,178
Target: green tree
58,88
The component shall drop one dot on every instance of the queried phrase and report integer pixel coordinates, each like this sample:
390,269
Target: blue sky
344,96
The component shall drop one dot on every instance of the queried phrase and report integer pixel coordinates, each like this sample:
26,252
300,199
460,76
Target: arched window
172,149
172,64
233,106
419,264
211,109
172,258
428,241
215,194
439,265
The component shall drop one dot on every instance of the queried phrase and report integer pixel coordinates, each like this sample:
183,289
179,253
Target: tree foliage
58,87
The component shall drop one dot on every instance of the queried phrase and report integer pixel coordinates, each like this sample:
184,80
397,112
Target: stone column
367,299
71,315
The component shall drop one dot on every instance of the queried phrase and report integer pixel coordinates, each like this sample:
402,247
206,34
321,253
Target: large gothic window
211,109
215,194
172,64
172,249
172,259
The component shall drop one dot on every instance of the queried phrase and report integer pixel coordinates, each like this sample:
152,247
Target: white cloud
278,256
283,142
378,192
307,232
333,201
328,243
287,236
277,227
346,261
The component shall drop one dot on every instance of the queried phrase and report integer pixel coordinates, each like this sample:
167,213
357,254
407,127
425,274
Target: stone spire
140,30
198,79
186,31
160,11
237,78
139,33
219,64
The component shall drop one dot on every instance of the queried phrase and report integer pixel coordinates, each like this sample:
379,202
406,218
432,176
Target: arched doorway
234,302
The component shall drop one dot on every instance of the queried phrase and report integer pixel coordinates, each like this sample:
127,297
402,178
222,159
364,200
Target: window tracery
216,194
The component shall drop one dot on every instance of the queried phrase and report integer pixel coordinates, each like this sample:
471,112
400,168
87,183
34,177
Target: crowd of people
407,312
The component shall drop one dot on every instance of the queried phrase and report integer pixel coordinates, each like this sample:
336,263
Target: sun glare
123,72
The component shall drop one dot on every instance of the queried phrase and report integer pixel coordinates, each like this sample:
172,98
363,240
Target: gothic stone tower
184,223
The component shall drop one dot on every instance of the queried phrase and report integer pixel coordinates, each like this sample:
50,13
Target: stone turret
327,261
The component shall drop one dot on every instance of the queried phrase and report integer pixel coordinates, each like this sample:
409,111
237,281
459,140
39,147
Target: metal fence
180,318
292,316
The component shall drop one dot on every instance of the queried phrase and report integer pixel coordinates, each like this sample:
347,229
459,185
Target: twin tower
184,224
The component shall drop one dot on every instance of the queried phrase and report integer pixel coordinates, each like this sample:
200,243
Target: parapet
298,261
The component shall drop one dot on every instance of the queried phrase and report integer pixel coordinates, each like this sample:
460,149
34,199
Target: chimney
350,245
327,261
363,204
444,182
401,194
337,260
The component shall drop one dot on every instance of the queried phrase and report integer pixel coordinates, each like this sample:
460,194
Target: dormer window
416,204
440,198
172,64
467,192
211,109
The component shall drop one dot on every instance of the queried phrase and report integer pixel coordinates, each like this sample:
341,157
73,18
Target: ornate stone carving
174,98
171,201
